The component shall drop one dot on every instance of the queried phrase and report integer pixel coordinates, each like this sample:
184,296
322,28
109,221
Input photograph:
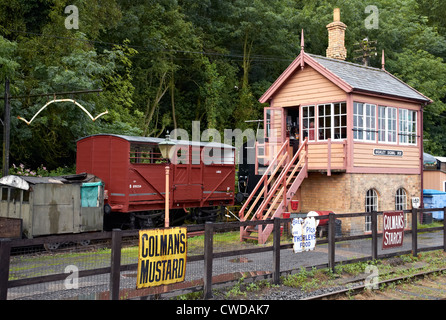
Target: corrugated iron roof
153,140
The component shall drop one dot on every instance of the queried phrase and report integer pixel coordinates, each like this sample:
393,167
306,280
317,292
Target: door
274,125
274,133
188,181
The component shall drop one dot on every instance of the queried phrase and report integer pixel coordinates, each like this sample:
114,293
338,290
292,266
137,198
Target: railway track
425,285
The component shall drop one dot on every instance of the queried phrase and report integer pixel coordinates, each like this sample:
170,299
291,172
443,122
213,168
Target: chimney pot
336,14
336,37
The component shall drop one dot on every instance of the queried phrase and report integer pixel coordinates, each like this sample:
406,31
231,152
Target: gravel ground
281,292
96,287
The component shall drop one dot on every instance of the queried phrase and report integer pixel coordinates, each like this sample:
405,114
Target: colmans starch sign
393,229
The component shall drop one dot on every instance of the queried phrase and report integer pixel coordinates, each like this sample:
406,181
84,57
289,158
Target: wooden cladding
327,156
332,155
364,156
305,87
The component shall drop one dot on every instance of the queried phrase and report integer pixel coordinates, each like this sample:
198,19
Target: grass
316,279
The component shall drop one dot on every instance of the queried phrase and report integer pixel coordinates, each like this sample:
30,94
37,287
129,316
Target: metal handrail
262,180
280,180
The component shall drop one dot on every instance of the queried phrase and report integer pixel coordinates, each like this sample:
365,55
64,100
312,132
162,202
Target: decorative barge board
363,127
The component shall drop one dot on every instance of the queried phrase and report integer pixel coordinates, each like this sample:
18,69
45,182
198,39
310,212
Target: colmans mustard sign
162,257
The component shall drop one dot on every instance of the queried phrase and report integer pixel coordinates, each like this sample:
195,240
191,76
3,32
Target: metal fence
102,265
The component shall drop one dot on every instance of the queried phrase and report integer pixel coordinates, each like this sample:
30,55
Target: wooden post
276,252
331,240
329,157
374,216
208,259
414,233
166,213
115,272
444,229
5,253
6,130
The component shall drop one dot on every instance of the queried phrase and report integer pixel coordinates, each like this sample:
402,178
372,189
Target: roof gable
349,77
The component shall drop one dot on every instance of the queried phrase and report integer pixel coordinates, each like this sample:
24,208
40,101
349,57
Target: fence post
414,233
115,272
276,252
444,229
374,215
208,259
331,240
5,253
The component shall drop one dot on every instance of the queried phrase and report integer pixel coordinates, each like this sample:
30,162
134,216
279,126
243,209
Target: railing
280,247
277,190
283,181
266,180
328,155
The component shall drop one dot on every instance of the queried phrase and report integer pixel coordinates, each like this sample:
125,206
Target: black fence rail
212,256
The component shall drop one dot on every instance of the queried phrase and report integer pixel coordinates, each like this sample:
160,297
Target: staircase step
251,229
250,238
295,173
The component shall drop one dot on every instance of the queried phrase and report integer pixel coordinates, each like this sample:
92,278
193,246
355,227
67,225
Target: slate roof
369,79
350,77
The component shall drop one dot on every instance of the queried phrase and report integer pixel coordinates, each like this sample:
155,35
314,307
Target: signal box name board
162,257
393,229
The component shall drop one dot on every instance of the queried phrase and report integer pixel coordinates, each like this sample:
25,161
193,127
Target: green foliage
41,171
163,64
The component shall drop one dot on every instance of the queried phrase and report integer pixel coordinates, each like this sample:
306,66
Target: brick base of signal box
346,193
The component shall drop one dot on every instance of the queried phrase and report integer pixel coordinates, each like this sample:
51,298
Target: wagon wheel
84,243
51,246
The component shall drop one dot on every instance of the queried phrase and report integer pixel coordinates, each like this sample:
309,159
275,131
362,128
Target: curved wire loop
62,100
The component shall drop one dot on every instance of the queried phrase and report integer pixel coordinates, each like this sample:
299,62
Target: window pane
400,199
308,130
408,126
371,204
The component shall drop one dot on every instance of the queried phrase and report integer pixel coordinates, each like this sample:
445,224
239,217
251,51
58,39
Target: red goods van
202,175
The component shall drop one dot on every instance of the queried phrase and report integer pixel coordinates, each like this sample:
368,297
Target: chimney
336,36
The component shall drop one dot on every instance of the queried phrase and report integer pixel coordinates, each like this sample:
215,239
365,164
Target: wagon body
53,205
134,173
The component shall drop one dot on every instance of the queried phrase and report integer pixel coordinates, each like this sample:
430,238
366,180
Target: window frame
371,204
401,205
364,122
307,118
334,121
408,127
390,116
400,199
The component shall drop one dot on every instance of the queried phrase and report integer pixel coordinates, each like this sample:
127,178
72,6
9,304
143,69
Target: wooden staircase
274,191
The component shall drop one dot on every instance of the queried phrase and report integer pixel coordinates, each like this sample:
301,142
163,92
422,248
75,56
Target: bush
41,171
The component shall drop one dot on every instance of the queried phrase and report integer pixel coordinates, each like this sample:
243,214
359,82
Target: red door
188,180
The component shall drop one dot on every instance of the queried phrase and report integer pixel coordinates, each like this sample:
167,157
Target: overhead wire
145,49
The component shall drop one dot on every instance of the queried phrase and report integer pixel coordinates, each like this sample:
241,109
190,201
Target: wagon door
92,203
188,175
56,209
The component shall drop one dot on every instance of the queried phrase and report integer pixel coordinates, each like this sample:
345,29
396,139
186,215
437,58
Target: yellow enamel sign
162,256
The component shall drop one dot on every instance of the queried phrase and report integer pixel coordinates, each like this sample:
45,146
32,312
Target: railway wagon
201,178
51,205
